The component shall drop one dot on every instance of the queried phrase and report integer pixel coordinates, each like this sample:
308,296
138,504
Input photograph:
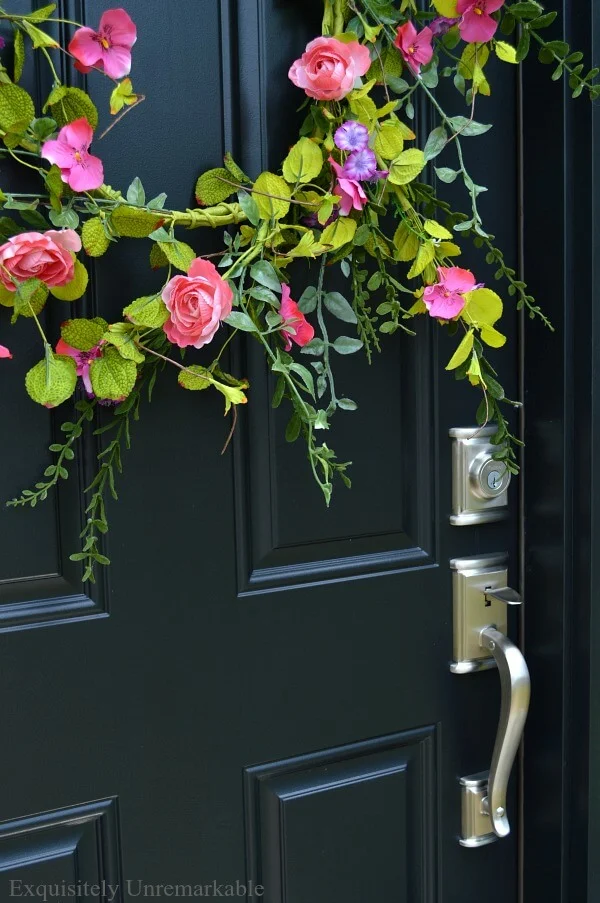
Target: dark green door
258,689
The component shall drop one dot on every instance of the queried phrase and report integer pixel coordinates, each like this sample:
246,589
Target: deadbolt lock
479,483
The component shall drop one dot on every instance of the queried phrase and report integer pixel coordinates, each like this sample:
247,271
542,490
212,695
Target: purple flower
362,166
2,43
441,25
352,136
312,220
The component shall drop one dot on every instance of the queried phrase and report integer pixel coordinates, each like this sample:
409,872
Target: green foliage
83,334
94,238
131,222
303,163
112,376
69,104
214,186
16,108
52,380
149,311
75,288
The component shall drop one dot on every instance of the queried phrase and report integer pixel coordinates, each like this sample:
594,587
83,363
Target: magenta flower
83,359
441,25
415,46
293,317
476,25
350,191
351,136
69,151
446,299
4,352
109,48
362,166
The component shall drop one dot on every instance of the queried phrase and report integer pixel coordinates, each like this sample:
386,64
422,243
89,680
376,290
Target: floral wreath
353,194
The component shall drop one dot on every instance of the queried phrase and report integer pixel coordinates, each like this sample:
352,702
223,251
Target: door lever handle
481,600
515,692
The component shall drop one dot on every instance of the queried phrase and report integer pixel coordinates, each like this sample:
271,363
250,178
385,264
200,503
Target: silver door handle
515,692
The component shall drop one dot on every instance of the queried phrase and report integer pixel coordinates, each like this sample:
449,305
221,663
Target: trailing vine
354,194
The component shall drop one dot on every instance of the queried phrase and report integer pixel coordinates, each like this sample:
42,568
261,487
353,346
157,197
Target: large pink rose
197,304
36,255
328,68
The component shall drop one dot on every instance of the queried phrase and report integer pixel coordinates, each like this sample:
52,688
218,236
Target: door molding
561,256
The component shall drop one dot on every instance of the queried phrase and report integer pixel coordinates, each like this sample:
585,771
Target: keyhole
487,601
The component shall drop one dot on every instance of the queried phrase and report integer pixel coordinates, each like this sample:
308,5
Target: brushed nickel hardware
479,483
481,597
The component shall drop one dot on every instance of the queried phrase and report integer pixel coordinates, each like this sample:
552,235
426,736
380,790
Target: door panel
269,699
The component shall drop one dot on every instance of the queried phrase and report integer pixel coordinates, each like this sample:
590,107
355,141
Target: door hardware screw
499,811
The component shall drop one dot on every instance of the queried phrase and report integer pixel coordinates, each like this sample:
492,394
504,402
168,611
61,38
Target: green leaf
406,242
149,310
462,352
436,143
52,380
303,163
131,222
93,237
196,378
19,55
16,107
38,37
468,128
337,305
237,319
406,166
121,336
41,14
523,45
436,230
271,194
248,205
316,348
264,273
292,430
305,375
75,288
389,140
178,253
424,257
83,334
112,376
135,193
212,187
492,337
505,52
346,345
308,300
74,104
483,307
346,404
339,233
30,298
231,166
445,174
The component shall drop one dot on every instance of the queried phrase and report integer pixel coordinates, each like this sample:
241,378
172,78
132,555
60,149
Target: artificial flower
441,25
4,352
477,25
351,136
109,48
83,360
446,299
78,168
196,303
39,255
328,68
361,166
292,316
350,191
415,46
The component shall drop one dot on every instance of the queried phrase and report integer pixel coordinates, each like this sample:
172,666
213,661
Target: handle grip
515,686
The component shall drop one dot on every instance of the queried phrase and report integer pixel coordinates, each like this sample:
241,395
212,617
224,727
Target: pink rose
197,304
35,255
328,68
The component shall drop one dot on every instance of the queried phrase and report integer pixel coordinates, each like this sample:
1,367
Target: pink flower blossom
445,300
350,191
35,255
328,68
293,316
83,359
78,168
414,46
197,303
4,352
477,25
109,48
